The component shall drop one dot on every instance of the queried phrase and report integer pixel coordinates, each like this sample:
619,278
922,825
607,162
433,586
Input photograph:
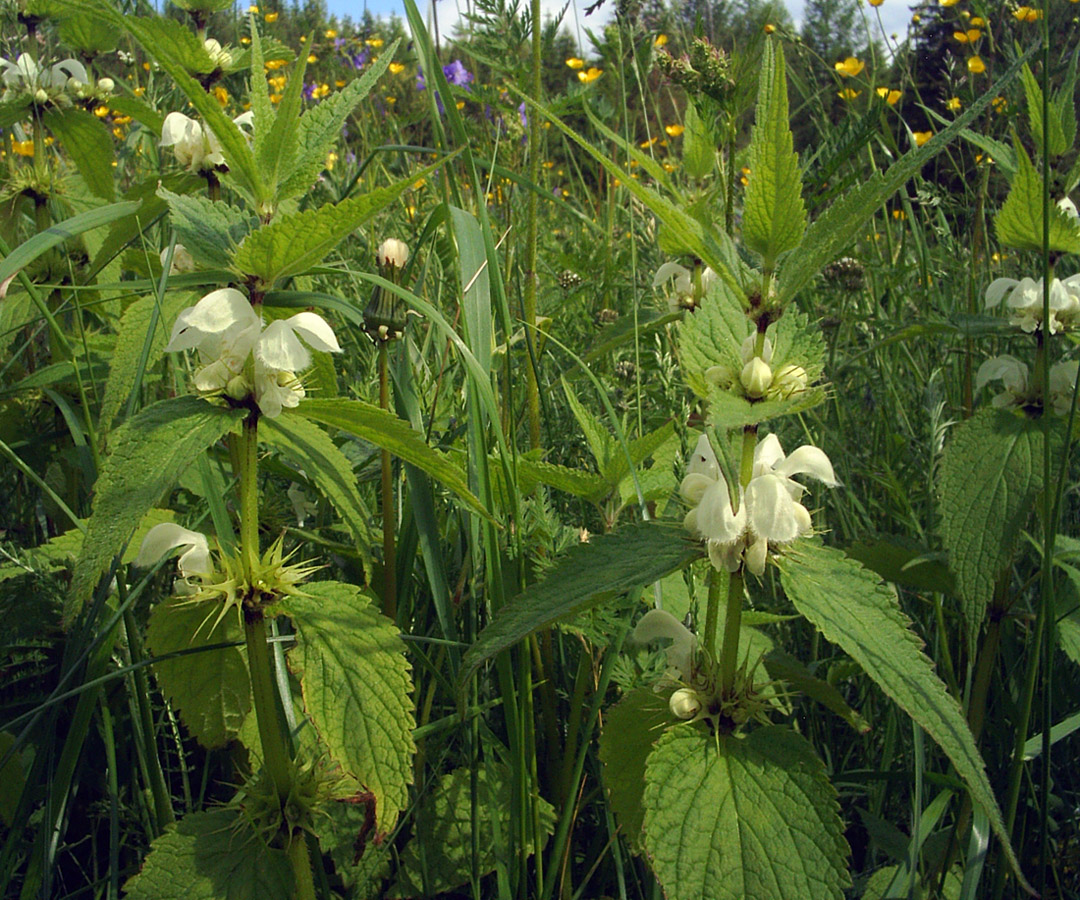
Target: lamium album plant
325,578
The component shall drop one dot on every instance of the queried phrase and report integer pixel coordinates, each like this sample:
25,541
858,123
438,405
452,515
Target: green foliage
12,778
1056,142
210,856
905,563
774,217
699,145
209,231
439,858
853,609
589,574
148,454
209,688
631,729
356,686
755,816
1019,223
991,475
86,140
393,434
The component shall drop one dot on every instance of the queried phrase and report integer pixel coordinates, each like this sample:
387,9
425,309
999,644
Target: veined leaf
211,856
293,245
209,231
743,818
1055,135
88,34
320,127
587,575
86,140
774,217
991,474
390,433
855,610
1019,222
210,689
699,145
309,446
355,680
577,482
148,454
140,111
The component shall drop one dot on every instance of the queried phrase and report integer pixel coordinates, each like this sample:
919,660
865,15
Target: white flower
685,703
393,253
658,623
712,517
1019,392
182,261
219,56
192,146
159,540
26,75
756,377
106,85
225,330
1025,301
1069,208
686,295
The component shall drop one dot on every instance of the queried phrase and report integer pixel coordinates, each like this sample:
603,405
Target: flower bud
40,96
755,556
219,56
756,377
238,388
685,703
105,84
788,380
392,253
74,85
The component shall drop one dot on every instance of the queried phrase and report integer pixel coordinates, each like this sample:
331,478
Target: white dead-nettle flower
219,56
392,253
1069,208
1020,391
194,562
688,287
685,703
711,517
182,261
25,75
106,85
195,146
226,331
303,506
1024,299
756,376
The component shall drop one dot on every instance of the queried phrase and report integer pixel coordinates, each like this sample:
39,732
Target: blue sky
895,14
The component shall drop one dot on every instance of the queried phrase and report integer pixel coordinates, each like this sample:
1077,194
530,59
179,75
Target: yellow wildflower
975,65
396,68
848,94
770,28
139,91
331,158
118,133
391,100
245,40
953,104
999,104
589,76
850,67
921,137
916,19
949,2
270,18
977,22
1027,14
101,112
274,64
312,58
876,2
221,94
646,144
22,148
674,130
890,97
899,215
375,43
330,34
275,98
660,40
574,63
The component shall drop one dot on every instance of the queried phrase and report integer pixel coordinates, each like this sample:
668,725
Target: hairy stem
389,549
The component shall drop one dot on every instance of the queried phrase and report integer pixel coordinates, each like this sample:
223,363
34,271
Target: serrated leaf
444,832
211,689
14,110
784,667
602,445
390,433
1019,222
86,140
306,444
292,245
699,146
320,127
855,610
130,340
148,454
210,231
631,729
726,410
1033,94
904,562
140,111
355,680
605,566
743,818
991,474
712,336
577,482
774,217
88,34
832,232
214,855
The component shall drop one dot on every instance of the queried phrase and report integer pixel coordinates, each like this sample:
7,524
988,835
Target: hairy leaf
148,454
699,145
209,231
86,140
855,610
1019,222
355,680
742,818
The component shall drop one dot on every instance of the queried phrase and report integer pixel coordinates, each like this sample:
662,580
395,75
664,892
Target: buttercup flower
1025,301
850,67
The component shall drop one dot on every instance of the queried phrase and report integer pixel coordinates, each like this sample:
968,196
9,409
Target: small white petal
772,511
658,623
808,460
1009,369
997,290
767,454
755,556
214,314
314,329
703,460
715,520
168,536
693,487
668,271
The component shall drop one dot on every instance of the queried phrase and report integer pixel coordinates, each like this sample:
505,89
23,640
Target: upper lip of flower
658,623
168,536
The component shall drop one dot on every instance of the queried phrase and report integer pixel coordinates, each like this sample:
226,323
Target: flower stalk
389,549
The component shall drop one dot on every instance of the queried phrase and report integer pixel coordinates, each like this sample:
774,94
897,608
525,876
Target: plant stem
712,613
271,735
247,457
389,550
301,866
729,652
532,383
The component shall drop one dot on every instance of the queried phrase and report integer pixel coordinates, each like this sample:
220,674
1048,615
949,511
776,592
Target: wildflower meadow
622,455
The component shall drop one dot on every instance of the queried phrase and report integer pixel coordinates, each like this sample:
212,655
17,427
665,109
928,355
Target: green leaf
390,433
292,245
355,680
215,855
784,667
131,337
210,231
148,454
306,444
1056,144
774,217
86,140
602,445
829,235
1019,222
442,845
45,240
904,562
577,482
166,37
141,112
855,610
87,33
712,336
12,778
991,474
588,574
699,146
210,689
320,127
631,729
742,818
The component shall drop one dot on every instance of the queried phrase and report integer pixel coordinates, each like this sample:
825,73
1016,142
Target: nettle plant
724,803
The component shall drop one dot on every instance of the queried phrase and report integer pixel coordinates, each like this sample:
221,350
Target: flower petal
808,460
715,520
703,460
176,127
278,347
767,454
1009,369
168,536
658,623
997,290
668,271
216,313
771,509
314,329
